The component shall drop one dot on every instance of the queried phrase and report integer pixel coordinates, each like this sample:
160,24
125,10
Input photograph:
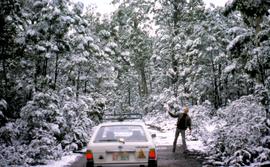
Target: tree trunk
85,86
144,89
175,68
151,84
56,71
36,75
45,64
5,77
176,16
219,84
216,89
78,84
262,75
226,89
258,25
216,93
129,95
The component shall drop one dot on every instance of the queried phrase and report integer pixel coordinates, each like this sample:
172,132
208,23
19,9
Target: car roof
122,123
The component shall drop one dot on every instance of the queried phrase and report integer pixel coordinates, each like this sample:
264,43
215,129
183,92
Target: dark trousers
183,135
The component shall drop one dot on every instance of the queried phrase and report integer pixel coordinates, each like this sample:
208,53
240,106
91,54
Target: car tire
89,164
152,164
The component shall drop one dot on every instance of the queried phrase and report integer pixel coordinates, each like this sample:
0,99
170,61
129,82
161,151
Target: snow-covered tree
9,56
251,10
206,60
129,46
251,46
239,137
63,66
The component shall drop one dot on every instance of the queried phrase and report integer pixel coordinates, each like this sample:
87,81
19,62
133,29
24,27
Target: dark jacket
179,116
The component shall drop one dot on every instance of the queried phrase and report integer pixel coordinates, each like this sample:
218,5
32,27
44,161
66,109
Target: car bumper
122,165
152,163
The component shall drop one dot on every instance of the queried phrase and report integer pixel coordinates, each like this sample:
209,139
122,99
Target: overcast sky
103,6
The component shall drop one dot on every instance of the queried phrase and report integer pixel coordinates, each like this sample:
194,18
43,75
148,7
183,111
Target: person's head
185,109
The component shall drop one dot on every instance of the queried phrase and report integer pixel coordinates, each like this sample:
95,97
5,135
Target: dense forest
63,66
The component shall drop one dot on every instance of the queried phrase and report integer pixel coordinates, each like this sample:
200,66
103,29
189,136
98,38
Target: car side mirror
153,135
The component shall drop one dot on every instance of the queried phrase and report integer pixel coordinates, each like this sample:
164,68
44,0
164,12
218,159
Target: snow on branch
236,31
3,104
230,7
238,41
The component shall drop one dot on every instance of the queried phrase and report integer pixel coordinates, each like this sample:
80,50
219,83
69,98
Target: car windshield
120,133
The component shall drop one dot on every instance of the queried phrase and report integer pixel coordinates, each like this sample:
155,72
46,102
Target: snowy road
165,159
165,156
164,147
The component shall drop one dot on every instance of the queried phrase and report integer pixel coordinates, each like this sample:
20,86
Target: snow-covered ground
166,139
64,161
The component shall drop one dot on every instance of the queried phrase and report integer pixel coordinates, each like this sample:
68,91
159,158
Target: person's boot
174,146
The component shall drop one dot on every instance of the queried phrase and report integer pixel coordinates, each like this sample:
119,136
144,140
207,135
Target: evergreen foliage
63,66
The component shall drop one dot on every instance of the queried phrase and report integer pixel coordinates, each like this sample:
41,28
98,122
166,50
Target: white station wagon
121,144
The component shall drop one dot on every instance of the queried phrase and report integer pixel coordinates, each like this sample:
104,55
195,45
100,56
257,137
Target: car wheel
152,164
89,164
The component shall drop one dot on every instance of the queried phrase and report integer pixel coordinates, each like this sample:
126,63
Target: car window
114,133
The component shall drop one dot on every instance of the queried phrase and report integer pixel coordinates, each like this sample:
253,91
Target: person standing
183,123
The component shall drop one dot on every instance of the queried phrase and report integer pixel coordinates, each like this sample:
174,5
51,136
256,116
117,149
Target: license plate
140,154
120,156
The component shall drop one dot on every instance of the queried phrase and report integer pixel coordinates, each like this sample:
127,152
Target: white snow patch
210,128
3,104
237,30
196,145
66,160
167,138
8,19
230,68
31,32
66,19
163,139
55,128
